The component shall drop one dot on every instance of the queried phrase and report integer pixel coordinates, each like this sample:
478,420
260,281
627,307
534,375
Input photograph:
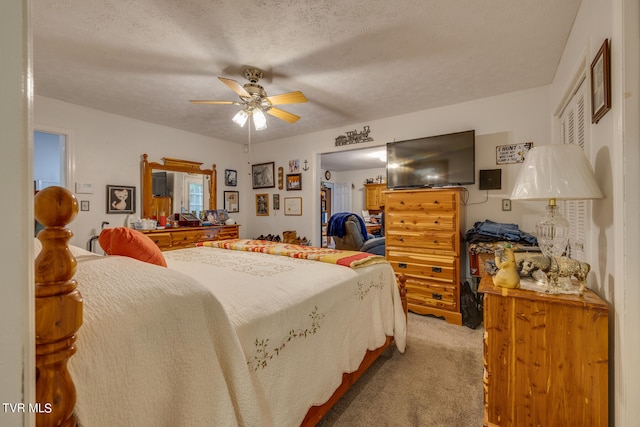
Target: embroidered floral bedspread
300,323
353,259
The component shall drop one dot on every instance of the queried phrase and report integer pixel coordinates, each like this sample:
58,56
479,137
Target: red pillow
127,242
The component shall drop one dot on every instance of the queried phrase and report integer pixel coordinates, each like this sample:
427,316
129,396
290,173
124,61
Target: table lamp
555,172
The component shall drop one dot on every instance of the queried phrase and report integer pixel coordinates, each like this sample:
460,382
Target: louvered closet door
574,130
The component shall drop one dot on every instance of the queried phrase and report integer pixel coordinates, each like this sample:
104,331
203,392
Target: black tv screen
434,161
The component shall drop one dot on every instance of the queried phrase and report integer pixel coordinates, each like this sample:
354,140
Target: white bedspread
156,349
301,323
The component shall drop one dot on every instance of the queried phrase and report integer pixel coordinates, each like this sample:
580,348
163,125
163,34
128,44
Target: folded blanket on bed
352,259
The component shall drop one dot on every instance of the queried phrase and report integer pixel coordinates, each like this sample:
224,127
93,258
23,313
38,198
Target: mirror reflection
181,192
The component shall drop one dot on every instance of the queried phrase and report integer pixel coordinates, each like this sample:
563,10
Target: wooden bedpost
58,308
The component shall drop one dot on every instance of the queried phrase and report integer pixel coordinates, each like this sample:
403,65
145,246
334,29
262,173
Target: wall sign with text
512,153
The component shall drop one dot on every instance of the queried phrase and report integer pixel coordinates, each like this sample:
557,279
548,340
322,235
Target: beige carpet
436,382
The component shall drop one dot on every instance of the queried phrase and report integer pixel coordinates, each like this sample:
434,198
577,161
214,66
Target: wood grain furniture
177,166
127,285
423,231
545,357
182,237
373,199
325,214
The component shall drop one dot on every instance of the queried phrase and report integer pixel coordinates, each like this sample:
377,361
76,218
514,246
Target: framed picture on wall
232,201
601,83
293,206
230,177
262,175
294,181
121,199
262,204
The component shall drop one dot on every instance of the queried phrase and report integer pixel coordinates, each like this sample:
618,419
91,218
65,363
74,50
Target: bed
197,343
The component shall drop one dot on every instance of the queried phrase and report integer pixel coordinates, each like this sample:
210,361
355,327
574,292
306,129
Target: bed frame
59,316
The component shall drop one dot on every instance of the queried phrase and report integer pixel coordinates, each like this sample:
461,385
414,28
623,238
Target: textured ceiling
355,60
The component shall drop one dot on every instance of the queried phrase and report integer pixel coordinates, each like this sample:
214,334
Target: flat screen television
434,161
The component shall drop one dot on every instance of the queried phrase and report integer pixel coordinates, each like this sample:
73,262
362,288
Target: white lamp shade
240,118
556,171
259,120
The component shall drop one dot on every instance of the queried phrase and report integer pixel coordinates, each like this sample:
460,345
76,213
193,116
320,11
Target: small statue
555,268
507,275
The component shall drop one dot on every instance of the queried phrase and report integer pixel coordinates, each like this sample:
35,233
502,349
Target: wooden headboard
58,308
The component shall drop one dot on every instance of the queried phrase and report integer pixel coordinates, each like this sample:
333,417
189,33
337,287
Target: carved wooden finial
58,308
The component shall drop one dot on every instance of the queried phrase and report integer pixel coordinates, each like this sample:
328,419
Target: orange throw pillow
131,243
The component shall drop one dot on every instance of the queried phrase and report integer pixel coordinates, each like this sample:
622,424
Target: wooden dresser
182,237
545,357
423,230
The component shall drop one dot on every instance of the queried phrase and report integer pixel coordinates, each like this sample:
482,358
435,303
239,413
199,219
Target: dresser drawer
416,201
431,295
186,238
423,266
420,221
443,242
228,233
163,240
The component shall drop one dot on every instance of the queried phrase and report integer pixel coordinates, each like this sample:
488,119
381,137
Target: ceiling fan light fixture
259,120
241,118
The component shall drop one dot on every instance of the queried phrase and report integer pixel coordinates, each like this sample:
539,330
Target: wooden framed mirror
173,178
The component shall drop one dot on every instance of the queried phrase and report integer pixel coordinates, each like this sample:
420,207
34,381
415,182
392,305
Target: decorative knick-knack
507,275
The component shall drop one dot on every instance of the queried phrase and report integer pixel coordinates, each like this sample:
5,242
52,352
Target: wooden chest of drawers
545,357
176,238
423,231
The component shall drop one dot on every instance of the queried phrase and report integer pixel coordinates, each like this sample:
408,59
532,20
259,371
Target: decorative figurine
507,275
556,267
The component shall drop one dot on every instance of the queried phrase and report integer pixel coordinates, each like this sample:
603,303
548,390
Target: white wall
505,119
614,154
17,353
108,149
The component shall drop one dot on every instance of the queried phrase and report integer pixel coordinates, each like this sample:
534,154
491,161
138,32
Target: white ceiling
355,60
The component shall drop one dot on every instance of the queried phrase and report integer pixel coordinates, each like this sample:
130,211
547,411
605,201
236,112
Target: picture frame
230,177
294,181
121,199
276,202
262,204
294,165
293,206
601,83
212,217
232,201
84,205
263,175
223,216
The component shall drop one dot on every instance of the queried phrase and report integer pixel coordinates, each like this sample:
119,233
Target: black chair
349,232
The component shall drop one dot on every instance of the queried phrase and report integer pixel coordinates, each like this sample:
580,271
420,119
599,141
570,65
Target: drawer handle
436,269
435,202
402,221
435,241
401,239
436,296
401,202
402,265
436,222
156,241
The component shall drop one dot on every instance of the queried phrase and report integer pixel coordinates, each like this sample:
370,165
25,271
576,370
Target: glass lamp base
552,232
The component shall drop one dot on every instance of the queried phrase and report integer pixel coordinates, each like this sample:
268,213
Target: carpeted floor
436,382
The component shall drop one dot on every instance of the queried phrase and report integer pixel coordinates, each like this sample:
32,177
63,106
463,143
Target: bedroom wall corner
17,357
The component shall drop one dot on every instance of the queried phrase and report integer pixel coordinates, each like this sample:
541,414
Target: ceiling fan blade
235,86
205,101
283,115
287,98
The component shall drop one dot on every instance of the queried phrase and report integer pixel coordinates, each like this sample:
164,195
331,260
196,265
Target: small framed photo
262,204
230,177
294,165
601,83
231,201
276,202
121,199
84,205
293,206
212,217
262,175
294,181
223,216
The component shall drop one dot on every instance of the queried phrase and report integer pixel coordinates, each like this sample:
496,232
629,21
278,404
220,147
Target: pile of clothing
489,231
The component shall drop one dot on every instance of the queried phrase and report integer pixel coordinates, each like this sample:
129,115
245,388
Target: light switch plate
506,204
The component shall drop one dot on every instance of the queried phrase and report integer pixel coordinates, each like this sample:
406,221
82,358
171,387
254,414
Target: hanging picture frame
230,177
232,201
293,206
121,199
601,83
294,181
262,204
263,175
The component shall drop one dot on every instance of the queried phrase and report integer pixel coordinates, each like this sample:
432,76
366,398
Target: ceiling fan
255,101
